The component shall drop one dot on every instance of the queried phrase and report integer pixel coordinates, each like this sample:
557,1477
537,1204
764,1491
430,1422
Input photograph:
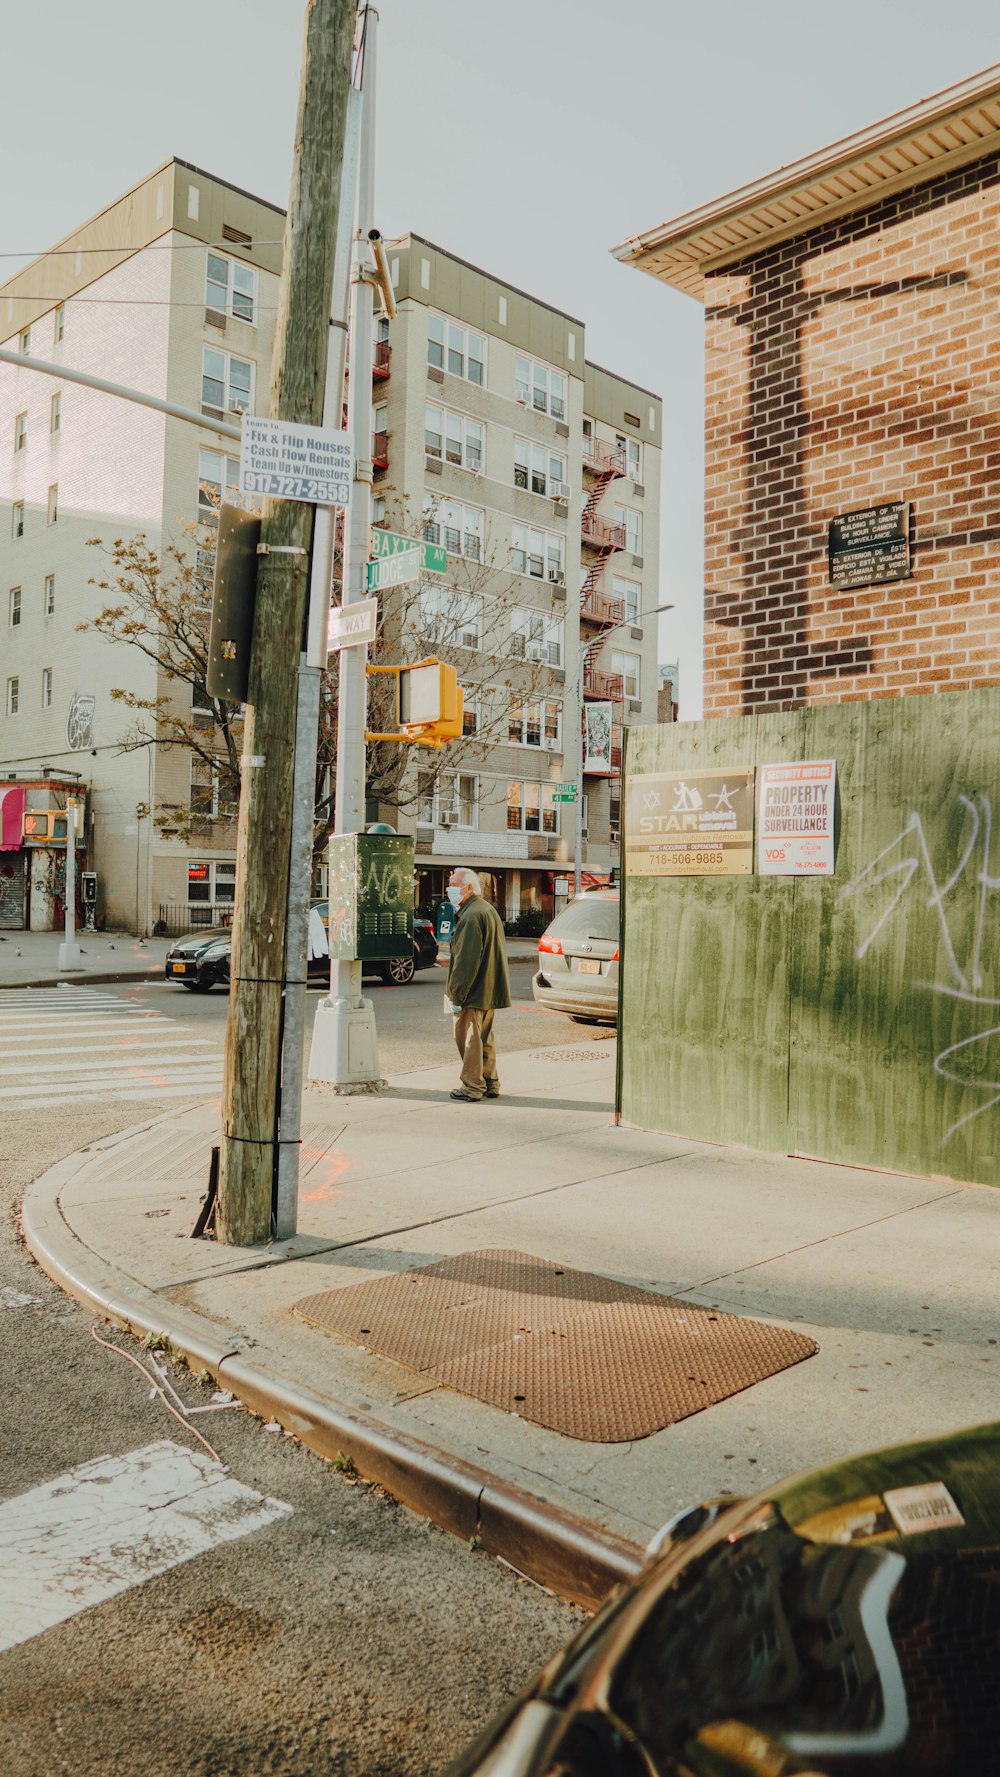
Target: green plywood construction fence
853,1017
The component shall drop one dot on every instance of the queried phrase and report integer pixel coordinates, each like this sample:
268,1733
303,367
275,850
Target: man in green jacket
478,984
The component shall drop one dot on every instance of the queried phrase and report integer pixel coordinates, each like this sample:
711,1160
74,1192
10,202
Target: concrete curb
578,1560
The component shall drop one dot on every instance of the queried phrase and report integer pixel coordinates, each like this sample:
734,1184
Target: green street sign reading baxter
391,543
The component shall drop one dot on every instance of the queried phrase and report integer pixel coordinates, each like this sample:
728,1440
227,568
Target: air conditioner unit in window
559,490
557,577
446,818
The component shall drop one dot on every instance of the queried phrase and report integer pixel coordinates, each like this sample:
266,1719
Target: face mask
455,896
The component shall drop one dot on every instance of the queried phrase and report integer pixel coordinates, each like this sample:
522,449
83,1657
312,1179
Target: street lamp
595,642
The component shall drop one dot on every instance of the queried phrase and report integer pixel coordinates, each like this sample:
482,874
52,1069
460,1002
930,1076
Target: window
453,438
17,519
211,797
531,809
378,509
202,709
226,382
536,636
470,710
50,594
24,341
46,687
231,288
631,453
630,593
55,412
448,799
539,387
52,507
14,607
13,696
632,520
459,528
539,470
535,723
456,349
450,618
541,554
212,882
218,476
628,667
58,322
20,431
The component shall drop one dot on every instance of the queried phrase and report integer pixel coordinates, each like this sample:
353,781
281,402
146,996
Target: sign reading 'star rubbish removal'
681,823
795,818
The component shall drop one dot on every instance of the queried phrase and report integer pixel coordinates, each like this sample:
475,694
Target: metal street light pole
595,642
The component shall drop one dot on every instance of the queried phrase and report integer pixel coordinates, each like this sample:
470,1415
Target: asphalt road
413,1030
343,1636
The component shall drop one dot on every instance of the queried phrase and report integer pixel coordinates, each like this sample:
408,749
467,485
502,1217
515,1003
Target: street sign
564,795
393,570
296,462
435,558
351,626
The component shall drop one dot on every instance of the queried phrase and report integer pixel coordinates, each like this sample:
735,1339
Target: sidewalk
31,959
894,1277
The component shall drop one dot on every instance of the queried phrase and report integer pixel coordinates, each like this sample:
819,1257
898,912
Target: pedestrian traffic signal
429,703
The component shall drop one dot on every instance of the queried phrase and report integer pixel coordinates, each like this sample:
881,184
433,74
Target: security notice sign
681,823
295,462
795,818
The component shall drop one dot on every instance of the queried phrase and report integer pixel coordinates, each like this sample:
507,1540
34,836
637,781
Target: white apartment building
537,472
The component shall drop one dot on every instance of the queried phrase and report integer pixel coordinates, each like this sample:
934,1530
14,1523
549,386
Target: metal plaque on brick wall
371,896
870,547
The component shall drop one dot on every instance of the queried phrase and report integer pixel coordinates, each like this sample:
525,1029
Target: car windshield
592,916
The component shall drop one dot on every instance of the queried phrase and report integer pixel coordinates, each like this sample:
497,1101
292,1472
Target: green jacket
477,972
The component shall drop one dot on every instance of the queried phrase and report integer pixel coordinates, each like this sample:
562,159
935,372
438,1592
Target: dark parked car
578,959
201,960
847,1622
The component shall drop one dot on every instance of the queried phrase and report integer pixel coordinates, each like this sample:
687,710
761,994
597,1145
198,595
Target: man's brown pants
474,1036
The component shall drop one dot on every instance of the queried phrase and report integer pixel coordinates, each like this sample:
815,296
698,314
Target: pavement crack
824,1240
454,1215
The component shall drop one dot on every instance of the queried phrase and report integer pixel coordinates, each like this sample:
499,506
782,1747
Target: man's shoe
464,1097
492,1092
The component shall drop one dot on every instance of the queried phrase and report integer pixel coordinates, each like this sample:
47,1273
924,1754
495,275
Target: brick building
852,363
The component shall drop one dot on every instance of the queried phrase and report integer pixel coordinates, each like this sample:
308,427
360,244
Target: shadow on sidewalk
440,1095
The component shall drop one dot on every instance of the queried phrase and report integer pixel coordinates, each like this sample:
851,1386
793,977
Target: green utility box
371,896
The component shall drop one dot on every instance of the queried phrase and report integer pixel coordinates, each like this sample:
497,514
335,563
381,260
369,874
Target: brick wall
851,366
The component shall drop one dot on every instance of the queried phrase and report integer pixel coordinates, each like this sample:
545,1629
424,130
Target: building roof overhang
958,125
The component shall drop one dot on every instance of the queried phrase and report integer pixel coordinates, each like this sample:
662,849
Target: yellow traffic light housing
429,703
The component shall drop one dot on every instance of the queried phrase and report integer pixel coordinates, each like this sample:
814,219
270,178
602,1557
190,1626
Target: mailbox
371,896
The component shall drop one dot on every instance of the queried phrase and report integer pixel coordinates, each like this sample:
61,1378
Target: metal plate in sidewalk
569,1350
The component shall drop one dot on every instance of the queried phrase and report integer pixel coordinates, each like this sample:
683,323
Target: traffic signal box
429,703
371,896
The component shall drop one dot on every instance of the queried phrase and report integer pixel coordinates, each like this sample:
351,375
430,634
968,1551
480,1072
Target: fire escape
599,610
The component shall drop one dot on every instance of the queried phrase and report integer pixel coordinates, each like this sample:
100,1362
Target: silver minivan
578,959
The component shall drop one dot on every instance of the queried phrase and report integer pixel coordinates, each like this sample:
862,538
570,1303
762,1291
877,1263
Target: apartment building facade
537,473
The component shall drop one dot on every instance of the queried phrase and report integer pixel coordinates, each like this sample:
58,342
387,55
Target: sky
529,137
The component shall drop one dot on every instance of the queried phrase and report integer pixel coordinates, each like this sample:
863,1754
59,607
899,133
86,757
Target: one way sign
353,625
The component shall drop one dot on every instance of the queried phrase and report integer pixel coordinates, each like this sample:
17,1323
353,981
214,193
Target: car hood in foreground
198,941
848,1622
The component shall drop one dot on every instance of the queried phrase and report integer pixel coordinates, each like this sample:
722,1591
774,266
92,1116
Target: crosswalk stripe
111,1524
80,1045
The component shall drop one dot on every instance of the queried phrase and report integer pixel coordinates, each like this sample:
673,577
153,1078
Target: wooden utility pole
253,1034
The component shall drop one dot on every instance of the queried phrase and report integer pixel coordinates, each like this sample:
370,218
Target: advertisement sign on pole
597,737
290,461
795,805
689,823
